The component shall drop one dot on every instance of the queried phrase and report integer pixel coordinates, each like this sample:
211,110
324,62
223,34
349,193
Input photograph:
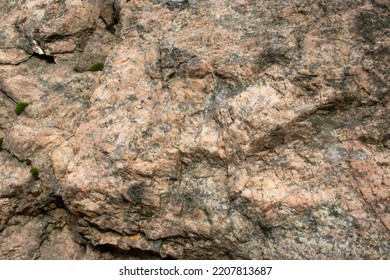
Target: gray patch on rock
372,24
336,153
173,4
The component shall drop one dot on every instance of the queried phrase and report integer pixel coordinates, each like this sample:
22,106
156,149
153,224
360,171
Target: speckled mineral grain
217,129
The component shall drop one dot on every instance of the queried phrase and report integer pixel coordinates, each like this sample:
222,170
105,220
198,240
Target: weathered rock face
217,129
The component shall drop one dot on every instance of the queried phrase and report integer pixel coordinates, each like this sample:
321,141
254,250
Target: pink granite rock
215,130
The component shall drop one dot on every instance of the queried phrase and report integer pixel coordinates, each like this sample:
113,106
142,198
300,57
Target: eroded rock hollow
186,129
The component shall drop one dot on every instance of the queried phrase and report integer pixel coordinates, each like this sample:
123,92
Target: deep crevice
47,58
11,154
132,253
8,96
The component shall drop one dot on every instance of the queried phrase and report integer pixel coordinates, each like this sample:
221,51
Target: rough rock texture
218,129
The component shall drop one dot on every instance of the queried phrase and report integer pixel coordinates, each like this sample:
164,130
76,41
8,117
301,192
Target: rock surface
216,130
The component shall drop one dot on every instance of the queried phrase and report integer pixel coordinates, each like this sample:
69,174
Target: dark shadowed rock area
215,129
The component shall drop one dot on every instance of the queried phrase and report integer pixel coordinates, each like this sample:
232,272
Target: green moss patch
20,107
96,67
34,173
